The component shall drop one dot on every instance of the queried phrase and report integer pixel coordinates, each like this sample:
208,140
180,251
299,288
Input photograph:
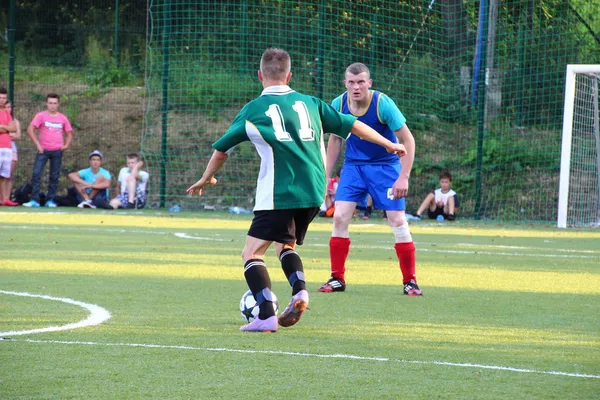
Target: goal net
579,192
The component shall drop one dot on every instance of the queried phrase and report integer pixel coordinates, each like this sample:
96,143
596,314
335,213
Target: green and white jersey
286,127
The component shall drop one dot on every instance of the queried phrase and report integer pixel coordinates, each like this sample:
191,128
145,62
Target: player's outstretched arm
216,162
334,148
365,132
406,137
400,187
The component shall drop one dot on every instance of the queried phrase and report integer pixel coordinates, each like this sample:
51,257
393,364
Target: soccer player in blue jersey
286,127
368,168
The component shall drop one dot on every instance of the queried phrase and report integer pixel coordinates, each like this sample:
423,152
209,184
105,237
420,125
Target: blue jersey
382,115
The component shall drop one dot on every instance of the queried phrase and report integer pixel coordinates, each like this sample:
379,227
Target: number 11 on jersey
306,131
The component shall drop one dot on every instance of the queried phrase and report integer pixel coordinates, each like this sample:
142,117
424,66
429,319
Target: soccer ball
249,308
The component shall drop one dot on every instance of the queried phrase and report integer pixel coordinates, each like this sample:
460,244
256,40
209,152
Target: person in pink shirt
7,126
56,134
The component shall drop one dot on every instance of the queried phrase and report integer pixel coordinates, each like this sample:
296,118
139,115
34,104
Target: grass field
507,312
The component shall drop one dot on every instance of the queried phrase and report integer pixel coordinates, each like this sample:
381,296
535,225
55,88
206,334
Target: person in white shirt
132,184
443,201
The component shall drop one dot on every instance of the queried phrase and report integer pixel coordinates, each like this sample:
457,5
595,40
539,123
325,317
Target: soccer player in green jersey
286,127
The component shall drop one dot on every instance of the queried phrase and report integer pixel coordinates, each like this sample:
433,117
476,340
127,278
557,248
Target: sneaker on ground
86,204
294,309
333,285
31,203
415,217
50,204
261,325
412,289
10,203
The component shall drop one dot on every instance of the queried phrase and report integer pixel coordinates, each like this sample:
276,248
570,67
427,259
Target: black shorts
438,211
282,226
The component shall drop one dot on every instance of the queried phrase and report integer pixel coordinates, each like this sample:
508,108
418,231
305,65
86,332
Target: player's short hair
358,68
446,175
275,63
3,90
131,156
52,96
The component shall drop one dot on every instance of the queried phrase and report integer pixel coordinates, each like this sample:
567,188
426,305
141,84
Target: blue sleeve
389,113
336,103
85,174
105,174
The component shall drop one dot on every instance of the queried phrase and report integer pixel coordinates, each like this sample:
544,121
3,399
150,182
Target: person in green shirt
286,128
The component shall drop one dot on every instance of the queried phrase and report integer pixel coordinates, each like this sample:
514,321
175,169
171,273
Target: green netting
583,207
480,82
92,53
501,140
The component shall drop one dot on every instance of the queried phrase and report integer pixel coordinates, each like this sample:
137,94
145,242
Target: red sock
338,252
408,260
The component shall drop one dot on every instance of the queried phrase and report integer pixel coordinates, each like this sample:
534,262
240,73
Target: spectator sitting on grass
132,184
90,185
442,201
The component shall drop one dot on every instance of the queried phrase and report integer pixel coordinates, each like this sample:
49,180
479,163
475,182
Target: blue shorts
377,180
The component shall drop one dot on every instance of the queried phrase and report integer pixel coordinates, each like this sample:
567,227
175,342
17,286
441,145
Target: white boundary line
315,355
572,253
97,315
472,252
186,236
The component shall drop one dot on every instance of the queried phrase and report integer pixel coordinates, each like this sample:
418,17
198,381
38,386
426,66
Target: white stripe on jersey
266,177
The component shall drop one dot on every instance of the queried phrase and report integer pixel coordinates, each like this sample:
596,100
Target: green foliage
111,77
421,58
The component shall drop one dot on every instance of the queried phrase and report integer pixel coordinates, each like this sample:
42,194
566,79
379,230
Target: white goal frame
567,135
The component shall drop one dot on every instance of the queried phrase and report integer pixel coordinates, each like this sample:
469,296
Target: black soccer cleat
333,285
412,289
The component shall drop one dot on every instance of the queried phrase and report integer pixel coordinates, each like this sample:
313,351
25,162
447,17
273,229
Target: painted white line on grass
471,252
97,315
497,246
186,236
150,232
315,355
62,228
572,252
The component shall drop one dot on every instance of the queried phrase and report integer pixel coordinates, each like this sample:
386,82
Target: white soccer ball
249,308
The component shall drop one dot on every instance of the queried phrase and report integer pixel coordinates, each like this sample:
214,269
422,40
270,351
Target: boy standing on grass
16,135
368,169
132,184
53,127
7,126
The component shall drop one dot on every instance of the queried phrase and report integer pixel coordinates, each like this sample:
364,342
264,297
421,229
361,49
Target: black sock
293,270
259,282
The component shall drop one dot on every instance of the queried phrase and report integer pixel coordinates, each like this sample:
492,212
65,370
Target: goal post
579,188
